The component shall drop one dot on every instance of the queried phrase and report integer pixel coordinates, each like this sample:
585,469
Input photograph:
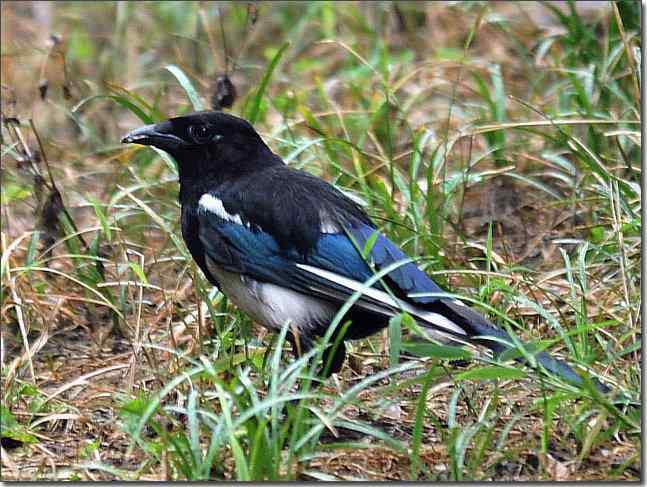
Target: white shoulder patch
357,199
215,206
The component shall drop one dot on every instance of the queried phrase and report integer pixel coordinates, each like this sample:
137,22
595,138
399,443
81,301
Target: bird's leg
295,339
333,359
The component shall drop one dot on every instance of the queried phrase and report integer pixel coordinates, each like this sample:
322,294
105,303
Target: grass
497,143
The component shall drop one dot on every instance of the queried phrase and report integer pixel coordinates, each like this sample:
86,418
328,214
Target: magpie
282,245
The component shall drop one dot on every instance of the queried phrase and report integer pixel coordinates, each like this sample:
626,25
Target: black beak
156,135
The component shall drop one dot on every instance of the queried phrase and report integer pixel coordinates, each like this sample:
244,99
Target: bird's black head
207,144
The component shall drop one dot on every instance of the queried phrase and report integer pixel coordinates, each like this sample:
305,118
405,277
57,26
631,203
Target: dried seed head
49,218
224,93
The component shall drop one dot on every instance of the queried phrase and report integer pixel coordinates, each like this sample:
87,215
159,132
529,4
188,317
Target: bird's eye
200,133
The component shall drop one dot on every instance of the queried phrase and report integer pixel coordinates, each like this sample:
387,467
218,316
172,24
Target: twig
630,58
224,41
81,380
53,184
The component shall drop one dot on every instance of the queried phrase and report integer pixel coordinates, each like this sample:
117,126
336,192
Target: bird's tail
479,330
444,318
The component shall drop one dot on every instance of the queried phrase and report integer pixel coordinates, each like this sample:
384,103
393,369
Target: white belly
271,305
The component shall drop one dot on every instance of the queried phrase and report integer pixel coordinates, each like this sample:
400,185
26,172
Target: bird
285,245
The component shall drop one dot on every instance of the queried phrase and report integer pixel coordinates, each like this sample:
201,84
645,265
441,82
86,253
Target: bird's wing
333,270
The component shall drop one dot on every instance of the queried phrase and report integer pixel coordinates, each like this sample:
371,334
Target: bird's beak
158,135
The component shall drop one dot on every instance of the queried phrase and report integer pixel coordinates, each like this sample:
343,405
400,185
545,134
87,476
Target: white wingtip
391,303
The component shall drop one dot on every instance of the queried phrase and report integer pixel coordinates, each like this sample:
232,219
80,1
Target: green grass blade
188,87
255,108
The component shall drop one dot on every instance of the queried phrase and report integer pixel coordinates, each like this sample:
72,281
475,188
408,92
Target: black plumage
286,245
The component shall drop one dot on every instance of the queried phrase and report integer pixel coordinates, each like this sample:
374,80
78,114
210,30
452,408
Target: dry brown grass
67,369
